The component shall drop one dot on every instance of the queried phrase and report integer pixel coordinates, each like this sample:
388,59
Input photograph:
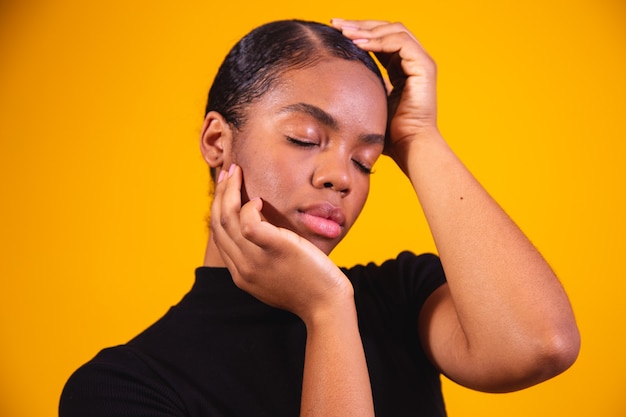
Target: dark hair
255,63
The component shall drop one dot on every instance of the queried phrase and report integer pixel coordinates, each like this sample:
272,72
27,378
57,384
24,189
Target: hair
256,62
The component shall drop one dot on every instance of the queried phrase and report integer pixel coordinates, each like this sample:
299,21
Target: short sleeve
402,284
388,299
117,382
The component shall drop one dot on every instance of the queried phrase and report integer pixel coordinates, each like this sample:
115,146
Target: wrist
334,314
407,148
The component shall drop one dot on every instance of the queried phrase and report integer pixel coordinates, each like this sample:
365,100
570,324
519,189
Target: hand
273,264
411,71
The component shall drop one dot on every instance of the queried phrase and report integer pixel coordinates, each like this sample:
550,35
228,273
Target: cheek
266,178
279,190
256,183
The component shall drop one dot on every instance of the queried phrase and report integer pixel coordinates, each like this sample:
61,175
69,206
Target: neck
212,255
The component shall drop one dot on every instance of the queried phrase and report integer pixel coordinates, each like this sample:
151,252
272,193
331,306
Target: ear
215,139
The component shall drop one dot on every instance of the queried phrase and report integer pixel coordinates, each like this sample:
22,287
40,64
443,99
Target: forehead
346,90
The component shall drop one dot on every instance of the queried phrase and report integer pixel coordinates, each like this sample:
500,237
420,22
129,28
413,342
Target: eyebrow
314,111
328,120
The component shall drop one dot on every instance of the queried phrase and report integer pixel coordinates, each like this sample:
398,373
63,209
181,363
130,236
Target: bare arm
286,271
503,321
336,380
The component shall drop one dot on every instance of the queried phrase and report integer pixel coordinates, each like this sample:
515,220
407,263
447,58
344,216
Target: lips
323,219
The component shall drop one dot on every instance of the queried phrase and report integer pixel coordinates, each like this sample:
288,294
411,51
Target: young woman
297,116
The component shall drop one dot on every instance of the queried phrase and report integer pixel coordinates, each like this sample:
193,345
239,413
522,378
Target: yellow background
104,193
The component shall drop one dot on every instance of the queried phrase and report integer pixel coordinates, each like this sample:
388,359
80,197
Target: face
308,146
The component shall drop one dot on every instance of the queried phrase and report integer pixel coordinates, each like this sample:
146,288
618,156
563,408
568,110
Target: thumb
254,227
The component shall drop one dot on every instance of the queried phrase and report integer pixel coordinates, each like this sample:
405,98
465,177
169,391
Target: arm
503,321
336,380
305,282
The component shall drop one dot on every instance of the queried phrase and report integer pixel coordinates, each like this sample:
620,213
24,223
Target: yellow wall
104,193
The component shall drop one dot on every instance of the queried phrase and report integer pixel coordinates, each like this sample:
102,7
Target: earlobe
215,139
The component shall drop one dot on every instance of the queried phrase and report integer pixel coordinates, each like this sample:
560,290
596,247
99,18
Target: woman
297,116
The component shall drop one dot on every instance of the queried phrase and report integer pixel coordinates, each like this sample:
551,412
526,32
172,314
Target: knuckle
214,224
247,230
245,274
238,280
398,26
405,36
223,222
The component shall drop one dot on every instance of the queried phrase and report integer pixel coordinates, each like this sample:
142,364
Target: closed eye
363,168
302,143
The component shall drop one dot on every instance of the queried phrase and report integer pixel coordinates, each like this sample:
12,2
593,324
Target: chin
325,245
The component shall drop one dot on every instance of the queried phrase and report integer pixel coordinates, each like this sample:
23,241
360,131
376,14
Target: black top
221,352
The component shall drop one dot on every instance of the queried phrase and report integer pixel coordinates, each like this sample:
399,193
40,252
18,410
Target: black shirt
221,352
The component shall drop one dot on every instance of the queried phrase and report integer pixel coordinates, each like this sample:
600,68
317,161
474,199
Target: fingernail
339,22
221,176
360,41
231,170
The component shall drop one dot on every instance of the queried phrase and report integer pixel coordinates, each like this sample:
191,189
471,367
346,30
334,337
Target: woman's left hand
411,71
502,322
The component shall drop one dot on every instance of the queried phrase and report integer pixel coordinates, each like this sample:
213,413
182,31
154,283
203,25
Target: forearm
508,301
336,380
503,314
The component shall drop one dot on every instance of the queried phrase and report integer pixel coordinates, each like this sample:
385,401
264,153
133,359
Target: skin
501,323
308,143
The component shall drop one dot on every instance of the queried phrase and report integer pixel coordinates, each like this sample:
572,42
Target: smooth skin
502,322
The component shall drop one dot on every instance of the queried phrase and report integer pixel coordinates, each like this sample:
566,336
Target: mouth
324,220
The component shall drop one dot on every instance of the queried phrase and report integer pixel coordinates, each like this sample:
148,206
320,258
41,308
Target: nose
332,171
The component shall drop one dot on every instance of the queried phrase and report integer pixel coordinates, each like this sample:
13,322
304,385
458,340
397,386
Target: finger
253,227
393,44
230,204
388,42
366,29
244,225
263,234
400,54
348,24
228,260
233,247
225,213
216,205
217,202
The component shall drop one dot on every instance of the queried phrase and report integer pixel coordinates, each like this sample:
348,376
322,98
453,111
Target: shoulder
407,279
406,263
115,381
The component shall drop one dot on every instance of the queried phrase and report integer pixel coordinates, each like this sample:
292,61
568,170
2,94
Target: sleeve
401,285
118,383
388,299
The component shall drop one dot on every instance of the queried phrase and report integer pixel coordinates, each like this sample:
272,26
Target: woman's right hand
286,271
412,73
273,264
